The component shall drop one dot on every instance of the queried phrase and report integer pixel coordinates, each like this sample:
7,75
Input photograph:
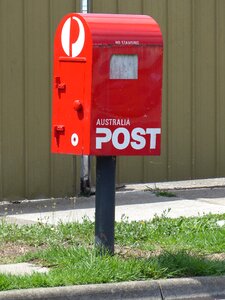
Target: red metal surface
111,29
72,87
103,116
127,104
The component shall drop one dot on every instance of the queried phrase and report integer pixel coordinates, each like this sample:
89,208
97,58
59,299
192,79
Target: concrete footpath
135,202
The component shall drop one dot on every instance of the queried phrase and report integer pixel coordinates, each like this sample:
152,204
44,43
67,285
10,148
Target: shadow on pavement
207,195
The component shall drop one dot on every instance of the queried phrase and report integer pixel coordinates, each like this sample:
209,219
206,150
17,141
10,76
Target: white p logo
72,49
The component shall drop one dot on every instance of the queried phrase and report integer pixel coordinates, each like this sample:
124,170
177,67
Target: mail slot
107,90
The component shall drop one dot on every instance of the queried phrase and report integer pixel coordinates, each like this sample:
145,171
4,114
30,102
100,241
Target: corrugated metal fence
27,169
194,92
193,142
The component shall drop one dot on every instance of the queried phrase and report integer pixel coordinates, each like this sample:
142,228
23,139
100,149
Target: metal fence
193,143
27,169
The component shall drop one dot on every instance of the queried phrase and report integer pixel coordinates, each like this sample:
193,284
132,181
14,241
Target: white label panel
124,66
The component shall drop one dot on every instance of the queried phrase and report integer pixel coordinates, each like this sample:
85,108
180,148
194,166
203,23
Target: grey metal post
85,175
105,203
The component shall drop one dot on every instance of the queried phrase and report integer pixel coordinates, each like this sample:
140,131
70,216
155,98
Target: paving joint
161,291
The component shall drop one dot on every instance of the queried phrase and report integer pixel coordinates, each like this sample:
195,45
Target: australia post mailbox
107,85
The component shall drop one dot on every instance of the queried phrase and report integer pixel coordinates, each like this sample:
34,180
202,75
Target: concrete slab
147,290
138,205
198,288
22,269
20,222
132,201
182,184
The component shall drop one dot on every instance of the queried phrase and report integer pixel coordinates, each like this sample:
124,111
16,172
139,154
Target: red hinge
60,129
59,85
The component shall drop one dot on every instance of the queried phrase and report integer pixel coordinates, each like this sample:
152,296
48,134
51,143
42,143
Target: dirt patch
10,251
216,256
136,253
128,252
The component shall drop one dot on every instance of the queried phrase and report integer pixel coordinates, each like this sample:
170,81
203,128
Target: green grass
200,235
161,248
164,193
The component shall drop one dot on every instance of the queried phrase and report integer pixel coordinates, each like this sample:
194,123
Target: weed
164,193
160,193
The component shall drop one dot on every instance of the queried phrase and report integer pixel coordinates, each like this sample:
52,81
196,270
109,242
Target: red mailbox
107,90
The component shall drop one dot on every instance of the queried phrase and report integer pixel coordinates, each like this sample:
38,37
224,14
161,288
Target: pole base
105,203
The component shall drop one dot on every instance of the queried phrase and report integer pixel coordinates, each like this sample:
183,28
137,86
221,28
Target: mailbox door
67,122
71,87
126,108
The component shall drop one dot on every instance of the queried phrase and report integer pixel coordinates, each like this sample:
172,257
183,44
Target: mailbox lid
123,30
